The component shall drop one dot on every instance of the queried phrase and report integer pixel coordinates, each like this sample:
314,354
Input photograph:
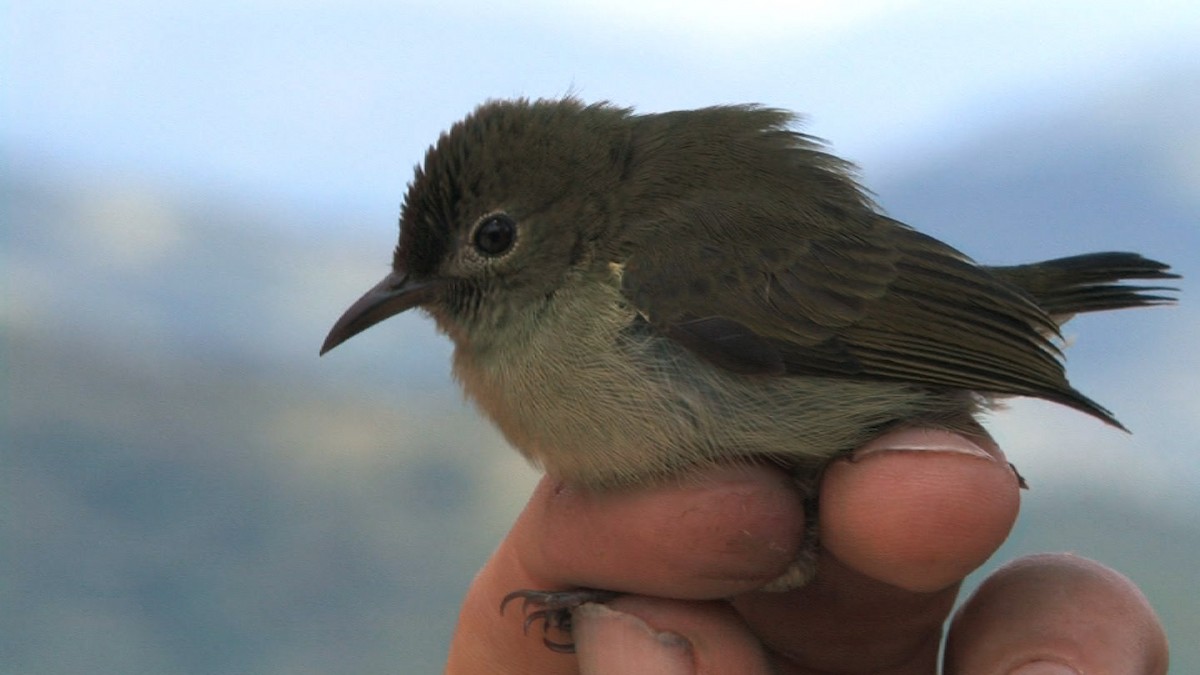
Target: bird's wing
871,298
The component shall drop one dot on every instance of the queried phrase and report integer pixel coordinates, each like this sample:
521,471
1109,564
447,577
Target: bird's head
508,204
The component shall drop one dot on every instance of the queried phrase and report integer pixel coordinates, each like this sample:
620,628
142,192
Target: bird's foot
553,609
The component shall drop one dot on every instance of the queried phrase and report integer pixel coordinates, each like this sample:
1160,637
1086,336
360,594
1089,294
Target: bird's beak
396,293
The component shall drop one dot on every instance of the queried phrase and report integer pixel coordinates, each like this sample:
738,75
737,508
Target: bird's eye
495,235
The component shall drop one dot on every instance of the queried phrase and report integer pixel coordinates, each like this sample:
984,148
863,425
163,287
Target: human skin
902,523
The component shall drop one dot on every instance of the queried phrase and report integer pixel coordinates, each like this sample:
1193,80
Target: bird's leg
804,567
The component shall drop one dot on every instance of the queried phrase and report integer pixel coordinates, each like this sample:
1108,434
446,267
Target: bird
633,296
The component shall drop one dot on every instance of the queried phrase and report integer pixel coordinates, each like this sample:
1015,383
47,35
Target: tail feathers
1090,283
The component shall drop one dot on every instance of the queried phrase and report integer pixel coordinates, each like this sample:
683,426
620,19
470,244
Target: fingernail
1044,668
608,641
923,440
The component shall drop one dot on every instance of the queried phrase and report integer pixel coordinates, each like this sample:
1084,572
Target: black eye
495,235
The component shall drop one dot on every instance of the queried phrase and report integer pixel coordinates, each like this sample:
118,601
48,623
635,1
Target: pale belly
608,407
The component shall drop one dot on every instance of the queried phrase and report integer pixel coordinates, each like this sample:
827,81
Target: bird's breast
595,397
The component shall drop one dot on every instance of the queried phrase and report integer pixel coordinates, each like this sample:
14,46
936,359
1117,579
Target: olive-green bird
631,296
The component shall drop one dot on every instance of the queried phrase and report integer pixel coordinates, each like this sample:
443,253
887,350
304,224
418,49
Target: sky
331,103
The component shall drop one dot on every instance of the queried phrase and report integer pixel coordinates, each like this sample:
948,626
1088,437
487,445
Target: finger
708,534
485,641
1057,609
901,525
845,621
919,508
713,534
638,634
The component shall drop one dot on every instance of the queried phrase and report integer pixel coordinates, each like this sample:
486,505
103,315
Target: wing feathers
873,300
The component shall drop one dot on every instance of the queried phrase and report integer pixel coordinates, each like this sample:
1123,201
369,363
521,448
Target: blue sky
333,102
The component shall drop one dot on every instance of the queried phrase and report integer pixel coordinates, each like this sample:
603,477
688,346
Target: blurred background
193,192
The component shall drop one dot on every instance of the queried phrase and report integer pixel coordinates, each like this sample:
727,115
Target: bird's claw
553,609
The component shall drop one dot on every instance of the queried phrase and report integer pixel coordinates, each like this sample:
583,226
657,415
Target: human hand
901,525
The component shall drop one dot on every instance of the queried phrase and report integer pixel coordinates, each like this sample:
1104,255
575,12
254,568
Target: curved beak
396,293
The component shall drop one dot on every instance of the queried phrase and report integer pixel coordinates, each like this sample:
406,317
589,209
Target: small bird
634,295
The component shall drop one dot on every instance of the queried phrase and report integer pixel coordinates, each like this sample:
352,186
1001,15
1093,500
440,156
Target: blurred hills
187,489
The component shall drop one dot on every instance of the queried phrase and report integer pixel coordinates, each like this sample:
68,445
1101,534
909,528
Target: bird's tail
1093,282
1064,287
